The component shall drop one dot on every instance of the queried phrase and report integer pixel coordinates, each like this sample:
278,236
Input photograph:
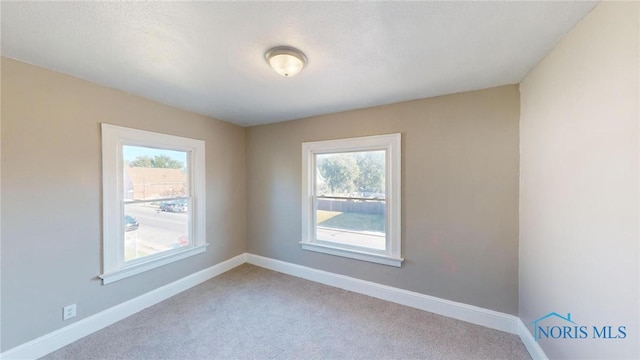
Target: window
351,198
153,200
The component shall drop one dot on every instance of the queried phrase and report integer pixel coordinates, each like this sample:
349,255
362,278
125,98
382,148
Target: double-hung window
351,198
153,200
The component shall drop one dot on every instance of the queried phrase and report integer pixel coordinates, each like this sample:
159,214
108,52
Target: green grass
351,221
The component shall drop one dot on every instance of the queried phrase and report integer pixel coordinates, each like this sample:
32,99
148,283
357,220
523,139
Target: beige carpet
253,313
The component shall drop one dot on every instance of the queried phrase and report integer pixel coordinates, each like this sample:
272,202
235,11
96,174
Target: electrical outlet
68,312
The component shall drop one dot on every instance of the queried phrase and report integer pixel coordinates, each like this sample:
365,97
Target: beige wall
459,194
51,196
579,146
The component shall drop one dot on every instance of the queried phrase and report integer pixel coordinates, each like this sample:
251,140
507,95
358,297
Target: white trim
492,319
353,254
57,339
530,343
156,262
469,313
391,144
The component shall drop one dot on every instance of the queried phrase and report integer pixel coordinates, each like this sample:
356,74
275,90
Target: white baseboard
68,334
530,343
469,313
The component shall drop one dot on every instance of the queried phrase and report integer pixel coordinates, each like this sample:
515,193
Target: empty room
320,180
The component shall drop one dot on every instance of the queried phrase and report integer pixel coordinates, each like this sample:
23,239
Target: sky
130,152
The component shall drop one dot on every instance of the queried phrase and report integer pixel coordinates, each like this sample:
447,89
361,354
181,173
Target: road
368,239
157,231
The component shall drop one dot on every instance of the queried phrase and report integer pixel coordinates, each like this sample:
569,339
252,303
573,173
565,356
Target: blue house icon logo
562,327
539,331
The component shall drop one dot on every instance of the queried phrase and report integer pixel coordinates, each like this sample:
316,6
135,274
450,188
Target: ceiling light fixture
286,60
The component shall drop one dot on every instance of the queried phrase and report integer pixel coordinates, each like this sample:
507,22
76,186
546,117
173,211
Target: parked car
130,223
179,205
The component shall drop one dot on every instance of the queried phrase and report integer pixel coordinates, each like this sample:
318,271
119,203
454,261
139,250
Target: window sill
353,254
154,263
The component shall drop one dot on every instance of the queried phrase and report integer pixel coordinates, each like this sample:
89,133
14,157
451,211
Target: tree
339,172
141,161
363,172
158,161
370,179
164,161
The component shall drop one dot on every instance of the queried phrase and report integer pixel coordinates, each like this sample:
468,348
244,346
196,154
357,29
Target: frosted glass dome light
285,60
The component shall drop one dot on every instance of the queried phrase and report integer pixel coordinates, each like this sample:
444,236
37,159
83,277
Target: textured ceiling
208,57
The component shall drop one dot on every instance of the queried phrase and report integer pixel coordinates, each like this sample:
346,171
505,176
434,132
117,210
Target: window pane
351,222
359,221
353,174
149,230
154,173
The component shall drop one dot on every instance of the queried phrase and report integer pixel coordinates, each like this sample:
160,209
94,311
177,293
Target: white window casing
113,139
391,145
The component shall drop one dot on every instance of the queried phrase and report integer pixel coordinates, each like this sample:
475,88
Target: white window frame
391,144
113,138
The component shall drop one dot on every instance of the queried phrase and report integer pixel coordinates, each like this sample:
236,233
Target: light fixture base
286,60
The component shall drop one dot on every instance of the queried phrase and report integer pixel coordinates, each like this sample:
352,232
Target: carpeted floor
254,313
